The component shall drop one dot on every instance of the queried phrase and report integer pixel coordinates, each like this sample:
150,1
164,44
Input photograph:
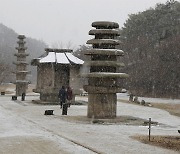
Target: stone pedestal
102,105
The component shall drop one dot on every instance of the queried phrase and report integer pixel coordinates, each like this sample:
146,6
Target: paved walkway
24,125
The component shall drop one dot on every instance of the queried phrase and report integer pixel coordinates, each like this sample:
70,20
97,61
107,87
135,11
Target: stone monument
102,76
21,67
56,68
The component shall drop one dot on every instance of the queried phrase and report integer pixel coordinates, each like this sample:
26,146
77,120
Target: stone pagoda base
21,88
102,106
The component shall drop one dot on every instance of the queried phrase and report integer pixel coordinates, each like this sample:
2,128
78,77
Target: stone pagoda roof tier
22,81
104,31
104,75
104,63
21,48
21,54
21,37
103,41
105,24
58,50
21,42
94,51
99,89
20,63
24,72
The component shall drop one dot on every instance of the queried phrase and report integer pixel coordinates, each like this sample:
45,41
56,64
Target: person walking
62,96
69,96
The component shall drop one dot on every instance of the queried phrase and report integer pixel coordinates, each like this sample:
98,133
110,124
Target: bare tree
70,45
61,45
58,44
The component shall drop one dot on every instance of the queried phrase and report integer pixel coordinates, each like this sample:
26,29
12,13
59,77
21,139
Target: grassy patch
6,87
168,142
119,120
173,109
125,101
3,88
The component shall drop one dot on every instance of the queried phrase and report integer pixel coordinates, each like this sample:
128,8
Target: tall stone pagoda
102,76
21,67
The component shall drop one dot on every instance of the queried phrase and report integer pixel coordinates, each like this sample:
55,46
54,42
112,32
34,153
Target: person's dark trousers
61,103
69,103
65,108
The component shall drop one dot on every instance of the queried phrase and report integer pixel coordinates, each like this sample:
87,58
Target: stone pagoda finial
21,67
102,77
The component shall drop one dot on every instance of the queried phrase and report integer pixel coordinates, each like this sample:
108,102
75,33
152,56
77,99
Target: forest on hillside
8,43
150,40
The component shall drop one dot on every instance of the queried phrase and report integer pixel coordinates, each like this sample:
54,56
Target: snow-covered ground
125,96
25,129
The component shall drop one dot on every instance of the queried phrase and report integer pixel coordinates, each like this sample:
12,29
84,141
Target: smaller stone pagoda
21,67
56,68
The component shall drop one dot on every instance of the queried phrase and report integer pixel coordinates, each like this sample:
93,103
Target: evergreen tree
151,39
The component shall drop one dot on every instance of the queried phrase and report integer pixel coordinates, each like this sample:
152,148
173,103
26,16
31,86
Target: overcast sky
66,21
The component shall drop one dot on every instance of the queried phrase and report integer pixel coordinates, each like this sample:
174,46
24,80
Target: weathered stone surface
103,73
105,24
104,63
21,37
53,73
102,90
21,67
58,50
104,31
49,97
103,41
115,52
102,105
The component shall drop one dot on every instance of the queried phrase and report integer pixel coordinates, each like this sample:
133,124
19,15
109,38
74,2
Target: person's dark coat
62,94
69,94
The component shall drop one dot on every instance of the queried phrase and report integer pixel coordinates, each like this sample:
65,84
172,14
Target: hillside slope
8,42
